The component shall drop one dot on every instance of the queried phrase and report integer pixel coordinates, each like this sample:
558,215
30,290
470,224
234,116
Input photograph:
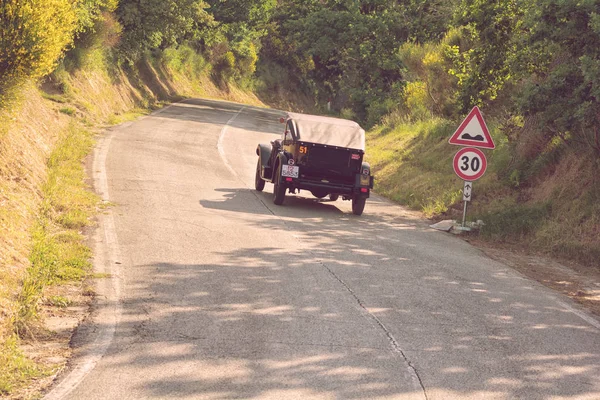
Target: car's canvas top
330,131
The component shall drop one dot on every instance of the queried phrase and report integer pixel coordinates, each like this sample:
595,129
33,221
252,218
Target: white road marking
220,142
580,314
109,289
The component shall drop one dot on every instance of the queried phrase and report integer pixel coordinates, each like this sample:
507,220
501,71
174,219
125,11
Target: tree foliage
158,24
563,86
348,50
90,11
483,62
33,35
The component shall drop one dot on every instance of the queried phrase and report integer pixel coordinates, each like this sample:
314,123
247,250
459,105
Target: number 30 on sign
470,164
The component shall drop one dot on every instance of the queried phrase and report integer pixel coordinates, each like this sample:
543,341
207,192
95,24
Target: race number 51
470,164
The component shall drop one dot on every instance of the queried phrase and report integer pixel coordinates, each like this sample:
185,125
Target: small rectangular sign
290,171
468,191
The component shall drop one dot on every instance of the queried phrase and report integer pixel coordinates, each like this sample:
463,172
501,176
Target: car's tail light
289,179
364,190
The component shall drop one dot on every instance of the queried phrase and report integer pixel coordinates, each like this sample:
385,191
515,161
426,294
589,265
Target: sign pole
464,214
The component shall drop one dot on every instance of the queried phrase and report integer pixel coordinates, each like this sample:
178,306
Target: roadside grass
58,250
412,163
16,370
58,253
132,115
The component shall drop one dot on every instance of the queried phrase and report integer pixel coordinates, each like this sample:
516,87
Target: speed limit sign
470,164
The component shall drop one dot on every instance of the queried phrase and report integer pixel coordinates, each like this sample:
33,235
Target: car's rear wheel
358,205
279,189
259,183
334,197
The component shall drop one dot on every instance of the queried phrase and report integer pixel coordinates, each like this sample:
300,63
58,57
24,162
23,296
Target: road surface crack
394,343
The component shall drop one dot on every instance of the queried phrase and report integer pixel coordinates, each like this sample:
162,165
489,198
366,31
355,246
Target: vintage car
320,154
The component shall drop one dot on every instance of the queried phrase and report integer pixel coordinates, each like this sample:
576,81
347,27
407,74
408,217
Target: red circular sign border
483,164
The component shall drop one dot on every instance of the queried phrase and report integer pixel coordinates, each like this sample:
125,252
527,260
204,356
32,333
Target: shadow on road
235,329
220,112
245,337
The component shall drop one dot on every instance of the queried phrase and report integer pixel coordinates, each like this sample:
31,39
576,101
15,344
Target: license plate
290,171
365,180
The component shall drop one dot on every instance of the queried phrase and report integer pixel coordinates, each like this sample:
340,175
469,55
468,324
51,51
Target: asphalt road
214,292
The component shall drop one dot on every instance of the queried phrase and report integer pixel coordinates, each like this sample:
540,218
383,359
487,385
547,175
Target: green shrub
224,70
247,56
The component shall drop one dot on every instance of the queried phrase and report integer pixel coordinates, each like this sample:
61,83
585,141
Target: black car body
320,154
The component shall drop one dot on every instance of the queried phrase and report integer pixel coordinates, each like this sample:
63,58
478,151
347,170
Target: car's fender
263,151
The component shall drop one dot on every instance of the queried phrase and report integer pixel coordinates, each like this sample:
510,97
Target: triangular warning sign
473,132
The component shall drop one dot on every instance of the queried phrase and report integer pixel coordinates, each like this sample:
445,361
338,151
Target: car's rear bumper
343,189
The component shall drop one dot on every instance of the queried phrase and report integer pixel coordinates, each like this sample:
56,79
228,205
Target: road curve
216,293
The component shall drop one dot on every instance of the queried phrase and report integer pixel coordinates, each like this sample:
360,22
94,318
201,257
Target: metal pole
464,215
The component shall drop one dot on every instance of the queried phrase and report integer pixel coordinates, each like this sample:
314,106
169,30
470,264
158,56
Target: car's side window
287,135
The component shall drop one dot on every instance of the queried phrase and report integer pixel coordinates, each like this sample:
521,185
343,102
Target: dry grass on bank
29,134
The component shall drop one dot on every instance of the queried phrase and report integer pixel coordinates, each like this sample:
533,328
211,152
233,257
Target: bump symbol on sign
467,136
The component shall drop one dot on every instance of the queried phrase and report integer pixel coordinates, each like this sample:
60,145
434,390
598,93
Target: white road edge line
595,323
220,142
107,261
109,289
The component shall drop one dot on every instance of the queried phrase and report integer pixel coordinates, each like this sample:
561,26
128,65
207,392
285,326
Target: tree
89,11
483,62
348,49
154,24
563,61
255,13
